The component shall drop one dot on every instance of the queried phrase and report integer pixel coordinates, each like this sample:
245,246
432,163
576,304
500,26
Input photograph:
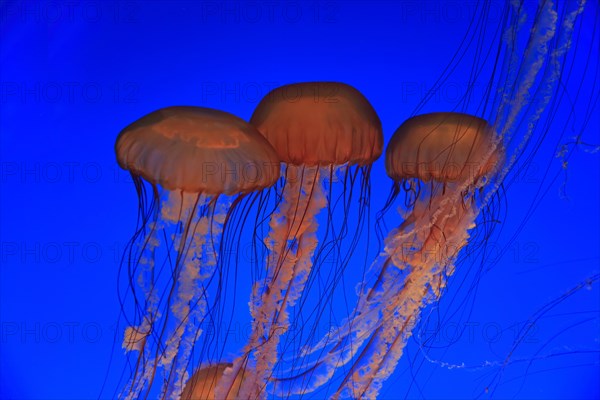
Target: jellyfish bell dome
202,384
442,146
320,123
197,150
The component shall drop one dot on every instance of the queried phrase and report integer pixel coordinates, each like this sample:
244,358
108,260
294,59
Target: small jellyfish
202,384
192,168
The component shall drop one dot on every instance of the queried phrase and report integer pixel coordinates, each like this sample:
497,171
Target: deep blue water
74,74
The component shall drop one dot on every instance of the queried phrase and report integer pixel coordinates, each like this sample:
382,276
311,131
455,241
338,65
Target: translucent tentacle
288,267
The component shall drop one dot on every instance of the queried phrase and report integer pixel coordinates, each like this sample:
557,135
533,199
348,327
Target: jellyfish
201,386
323,132
193,169
444,160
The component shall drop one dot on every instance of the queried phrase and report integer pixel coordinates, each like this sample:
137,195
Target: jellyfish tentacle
192,305
303,260
261,299
377,306
135,337
176,209
432,262
288,265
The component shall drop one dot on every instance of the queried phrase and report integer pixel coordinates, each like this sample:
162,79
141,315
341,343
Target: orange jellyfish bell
442,146
320,123
197,150
202,384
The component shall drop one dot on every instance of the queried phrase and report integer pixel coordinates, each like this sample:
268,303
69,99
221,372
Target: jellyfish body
319,130
453,153
191,157
201,386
